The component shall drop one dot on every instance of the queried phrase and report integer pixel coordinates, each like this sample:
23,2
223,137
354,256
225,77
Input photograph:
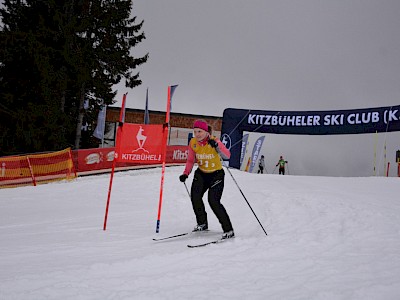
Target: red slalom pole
117,147
109,195
165,136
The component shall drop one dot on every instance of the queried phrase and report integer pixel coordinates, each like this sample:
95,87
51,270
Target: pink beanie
200,124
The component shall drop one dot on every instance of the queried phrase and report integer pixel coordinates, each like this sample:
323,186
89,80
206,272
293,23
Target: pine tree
53,56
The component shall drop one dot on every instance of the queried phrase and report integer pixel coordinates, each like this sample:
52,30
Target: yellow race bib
207,157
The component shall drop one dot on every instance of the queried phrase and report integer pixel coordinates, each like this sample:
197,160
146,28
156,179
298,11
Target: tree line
55,56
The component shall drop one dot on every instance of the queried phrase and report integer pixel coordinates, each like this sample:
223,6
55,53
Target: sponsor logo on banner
110,156
93,158
140,143
244,147
180,155
141,139
226,140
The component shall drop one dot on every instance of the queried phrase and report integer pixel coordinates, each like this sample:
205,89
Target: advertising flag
146,111
101,123
256,152
173,87
122,112
171,90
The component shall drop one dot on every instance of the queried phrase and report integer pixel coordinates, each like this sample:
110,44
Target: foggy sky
277,55
269,55
281,55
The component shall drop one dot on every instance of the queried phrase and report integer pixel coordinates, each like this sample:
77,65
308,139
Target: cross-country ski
194,233
209,243
170,237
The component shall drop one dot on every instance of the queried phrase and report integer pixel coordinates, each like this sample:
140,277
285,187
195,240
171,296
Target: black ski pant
214,183
281,171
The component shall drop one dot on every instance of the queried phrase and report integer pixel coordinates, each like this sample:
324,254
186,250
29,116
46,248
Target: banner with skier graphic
139,143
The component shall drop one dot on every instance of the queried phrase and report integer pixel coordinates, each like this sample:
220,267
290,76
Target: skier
281,164
207,151
261,165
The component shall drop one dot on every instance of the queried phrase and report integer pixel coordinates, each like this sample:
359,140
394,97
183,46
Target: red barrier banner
36,168
94,159
102,158
139,143
16,170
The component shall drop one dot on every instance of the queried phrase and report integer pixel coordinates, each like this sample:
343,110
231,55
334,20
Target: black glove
213,143
183,177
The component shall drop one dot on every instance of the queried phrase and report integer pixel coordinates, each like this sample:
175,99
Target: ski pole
273,172
187,189
246,200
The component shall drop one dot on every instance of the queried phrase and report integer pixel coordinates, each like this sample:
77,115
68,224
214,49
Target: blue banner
356,121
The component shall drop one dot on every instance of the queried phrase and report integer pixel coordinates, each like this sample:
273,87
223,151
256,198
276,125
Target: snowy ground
328,238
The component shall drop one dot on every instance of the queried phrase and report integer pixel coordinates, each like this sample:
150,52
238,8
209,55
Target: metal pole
246,200
187,189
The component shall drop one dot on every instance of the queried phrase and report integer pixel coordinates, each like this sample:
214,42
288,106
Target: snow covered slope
328,238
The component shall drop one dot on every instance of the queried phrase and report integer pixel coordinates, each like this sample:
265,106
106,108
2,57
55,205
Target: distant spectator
281,163
261,165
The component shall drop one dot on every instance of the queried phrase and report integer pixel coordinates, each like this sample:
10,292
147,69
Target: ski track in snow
328,238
